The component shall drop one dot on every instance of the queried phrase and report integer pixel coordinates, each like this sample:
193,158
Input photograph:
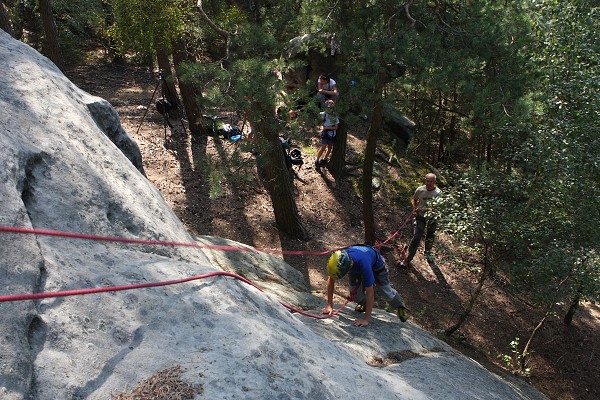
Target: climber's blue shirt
366,260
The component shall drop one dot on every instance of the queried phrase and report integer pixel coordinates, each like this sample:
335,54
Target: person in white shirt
330,126
327,90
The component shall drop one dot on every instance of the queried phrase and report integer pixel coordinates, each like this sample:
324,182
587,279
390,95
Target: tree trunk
572,309
51,45
168,84
367,177
5,23
273,173
524,356
25,27
441,148
111,46
188,93
485,273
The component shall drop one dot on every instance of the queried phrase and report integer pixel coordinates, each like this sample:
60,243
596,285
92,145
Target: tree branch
222,32
406,7
226,34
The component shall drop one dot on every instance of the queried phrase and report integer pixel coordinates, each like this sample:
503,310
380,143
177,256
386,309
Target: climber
366,270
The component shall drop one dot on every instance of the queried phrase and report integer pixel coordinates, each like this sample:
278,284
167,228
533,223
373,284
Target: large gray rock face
60,171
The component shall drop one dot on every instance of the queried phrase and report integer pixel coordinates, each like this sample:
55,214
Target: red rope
379,244
78,292
296,310
401,226
48,232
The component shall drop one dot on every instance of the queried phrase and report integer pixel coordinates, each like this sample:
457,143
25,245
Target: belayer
424,224
366,271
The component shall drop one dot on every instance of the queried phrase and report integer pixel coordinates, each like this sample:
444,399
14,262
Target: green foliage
80,17
558,240
229,170
480,207
232,18
214,81
309,150
255,83
254,41
401,190
517,361
466,80
144,26
79,24
215,182
537,213
314,16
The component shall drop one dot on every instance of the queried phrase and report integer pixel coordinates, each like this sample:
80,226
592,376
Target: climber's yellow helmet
338,264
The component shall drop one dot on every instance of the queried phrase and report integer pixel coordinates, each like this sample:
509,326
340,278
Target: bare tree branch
222,32
407,12
226,34
405,8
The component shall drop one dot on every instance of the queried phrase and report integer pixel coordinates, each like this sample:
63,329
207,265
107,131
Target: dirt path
566,362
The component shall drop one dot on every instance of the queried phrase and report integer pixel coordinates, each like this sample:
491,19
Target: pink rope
79,292
47,232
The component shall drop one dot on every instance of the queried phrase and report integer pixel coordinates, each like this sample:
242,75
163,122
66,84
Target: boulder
103,288
398,126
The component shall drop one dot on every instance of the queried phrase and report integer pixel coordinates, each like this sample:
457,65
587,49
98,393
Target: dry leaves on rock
164,385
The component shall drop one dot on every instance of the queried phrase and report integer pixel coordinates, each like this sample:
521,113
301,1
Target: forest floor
213,196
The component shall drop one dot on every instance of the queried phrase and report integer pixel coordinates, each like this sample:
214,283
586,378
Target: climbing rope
79,292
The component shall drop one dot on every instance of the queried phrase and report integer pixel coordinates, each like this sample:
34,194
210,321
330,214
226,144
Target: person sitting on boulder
330,126
366,270
326,90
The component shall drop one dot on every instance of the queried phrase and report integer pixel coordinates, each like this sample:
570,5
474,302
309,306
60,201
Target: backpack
163,106
292,156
